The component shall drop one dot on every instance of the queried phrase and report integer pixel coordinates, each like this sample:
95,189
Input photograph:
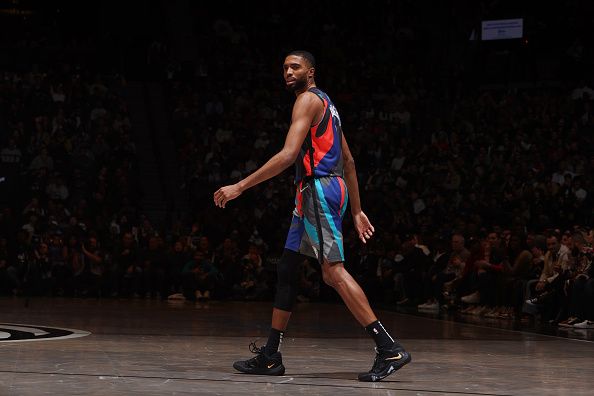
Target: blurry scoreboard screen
503,29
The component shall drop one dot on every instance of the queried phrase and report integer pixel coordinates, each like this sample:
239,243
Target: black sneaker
386,362
261,364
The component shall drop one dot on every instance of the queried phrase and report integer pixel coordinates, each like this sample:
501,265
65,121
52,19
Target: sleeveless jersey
326,137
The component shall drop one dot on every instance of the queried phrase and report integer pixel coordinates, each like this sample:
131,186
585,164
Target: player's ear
311,72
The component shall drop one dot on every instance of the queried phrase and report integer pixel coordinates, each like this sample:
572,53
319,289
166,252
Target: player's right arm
306,109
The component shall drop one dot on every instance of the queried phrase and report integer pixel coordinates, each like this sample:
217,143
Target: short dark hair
305,55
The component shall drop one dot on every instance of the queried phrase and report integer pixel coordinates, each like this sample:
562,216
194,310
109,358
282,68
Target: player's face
297,72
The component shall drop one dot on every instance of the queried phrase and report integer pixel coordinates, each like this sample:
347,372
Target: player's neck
307,88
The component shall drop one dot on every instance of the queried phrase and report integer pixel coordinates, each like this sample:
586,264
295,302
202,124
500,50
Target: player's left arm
363,226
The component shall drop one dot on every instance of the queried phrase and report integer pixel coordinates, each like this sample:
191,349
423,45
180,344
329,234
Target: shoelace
255,349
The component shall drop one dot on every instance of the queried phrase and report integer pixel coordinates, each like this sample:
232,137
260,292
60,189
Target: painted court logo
13,332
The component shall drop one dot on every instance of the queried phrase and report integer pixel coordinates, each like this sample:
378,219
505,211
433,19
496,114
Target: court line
292,383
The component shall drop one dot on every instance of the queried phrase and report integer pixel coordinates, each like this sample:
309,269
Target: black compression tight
288,277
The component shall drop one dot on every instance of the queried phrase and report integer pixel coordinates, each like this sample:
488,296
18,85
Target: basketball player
325,178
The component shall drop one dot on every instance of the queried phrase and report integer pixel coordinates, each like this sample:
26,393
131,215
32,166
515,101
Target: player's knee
331,275
286,286
327,277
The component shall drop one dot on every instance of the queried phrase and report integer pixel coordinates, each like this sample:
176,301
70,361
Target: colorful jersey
326,137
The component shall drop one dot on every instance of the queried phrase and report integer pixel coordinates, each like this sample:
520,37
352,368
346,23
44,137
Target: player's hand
363,226
226,194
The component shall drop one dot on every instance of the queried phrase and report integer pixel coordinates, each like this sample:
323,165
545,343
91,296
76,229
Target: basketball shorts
331,196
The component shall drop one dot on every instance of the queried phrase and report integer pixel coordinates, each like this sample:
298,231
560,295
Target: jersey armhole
323,107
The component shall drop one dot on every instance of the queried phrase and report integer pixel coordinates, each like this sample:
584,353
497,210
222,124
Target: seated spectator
549,288
512,282
382,259
77,268
43,160
125,272
446,271
252,283
487,268
61,273
177,258
577,300
19,257
199,278
467,284
95,258
34,208
153,263
227,261
411,270
37,279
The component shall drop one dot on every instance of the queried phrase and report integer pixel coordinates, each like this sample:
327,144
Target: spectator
125,272
177,257
96,266
577,298
552,279
411,270
446,271
43,160
200,278
487,271
153,262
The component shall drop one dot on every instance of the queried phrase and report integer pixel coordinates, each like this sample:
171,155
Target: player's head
308,56
299,70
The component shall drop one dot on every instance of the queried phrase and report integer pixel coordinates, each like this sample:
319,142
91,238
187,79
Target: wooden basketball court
150,347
